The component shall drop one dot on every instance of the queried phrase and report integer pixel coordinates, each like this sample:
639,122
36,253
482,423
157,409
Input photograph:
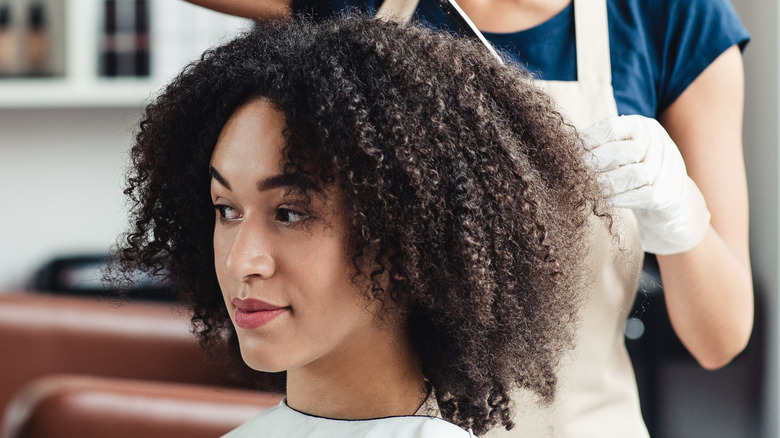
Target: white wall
60,184
762,138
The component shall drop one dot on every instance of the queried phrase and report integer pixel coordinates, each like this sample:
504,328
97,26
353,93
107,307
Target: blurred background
75,74
67,116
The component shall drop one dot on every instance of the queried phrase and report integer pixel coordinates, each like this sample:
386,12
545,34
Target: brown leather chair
44,334
85,407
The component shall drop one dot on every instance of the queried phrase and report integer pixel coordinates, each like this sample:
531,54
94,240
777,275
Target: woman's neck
370,378
505,16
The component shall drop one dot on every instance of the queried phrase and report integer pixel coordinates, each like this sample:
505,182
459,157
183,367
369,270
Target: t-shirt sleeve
698,31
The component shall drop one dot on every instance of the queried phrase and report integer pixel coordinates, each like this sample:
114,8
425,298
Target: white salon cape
282,421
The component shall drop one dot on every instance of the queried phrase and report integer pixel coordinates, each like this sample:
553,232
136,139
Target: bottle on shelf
37,41
142,55
9,61
125,39
25,39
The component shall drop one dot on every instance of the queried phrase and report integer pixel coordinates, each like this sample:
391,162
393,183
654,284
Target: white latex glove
644,171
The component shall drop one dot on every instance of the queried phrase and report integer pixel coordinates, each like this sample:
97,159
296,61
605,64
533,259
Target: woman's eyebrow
295,181
217,176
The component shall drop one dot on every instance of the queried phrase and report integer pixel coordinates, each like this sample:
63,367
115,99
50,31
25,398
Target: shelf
179,33
64,93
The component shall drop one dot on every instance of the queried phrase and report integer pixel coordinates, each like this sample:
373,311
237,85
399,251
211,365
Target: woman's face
283,264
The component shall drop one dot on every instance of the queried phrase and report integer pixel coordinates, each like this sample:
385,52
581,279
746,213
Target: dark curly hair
463,184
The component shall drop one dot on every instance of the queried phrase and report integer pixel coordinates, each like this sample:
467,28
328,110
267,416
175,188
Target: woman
677,61
401,241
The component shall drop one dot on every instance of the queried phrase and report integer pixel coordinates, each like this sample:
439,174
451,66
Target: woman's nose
251,254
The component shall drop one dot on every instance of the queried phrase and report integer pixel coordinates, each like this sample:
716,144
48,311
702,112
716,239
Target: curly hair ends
464,185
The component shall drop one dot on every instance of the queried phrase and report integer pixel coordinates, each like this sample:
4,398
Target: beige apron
597,396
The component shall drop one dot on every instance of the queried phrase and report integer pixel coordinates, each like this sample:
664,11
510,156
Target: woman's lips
251,314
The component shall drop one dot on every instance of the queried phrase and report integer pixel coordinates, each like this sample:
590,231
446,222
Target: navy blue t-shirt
657,47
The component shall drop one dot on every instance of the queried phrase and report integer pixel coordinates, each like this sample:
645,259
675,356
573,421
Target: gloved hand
644,171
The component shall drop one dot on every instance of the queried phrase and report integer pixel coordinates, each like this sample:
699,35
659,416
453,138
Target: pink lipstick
251,314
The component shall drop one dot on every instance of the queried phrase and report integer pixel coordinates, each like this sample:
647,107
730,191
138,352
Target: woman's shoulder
282,421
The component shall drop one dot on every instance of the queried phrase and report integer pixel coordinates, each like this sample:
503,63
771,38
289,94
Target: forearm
709,290
255,9
709,297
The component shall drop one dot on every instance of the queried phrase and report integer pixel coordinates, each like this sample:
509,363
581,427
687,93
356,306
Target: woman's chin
264,367
264,361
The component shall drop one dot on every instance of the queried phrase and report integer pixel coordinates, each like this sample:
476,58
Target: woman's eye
227,213
290,216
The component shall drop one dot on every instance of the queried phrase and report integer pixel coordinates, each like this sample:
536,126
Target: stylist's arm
255,9
695,219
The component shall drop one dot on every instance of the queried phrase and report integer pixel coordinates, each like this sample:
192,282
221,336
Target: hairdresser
678,62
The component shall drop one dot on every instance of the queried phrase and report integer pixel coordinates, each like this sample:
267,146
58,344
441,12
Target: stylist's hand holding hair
643,170
707,287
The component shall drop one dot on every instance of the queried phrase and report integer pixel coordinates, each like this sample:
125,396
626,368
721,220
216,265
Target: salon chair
43,334
65,406
148,345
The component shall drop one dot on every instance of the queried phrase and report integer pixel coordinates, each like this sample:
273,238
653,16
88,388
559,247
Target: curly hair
462,182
